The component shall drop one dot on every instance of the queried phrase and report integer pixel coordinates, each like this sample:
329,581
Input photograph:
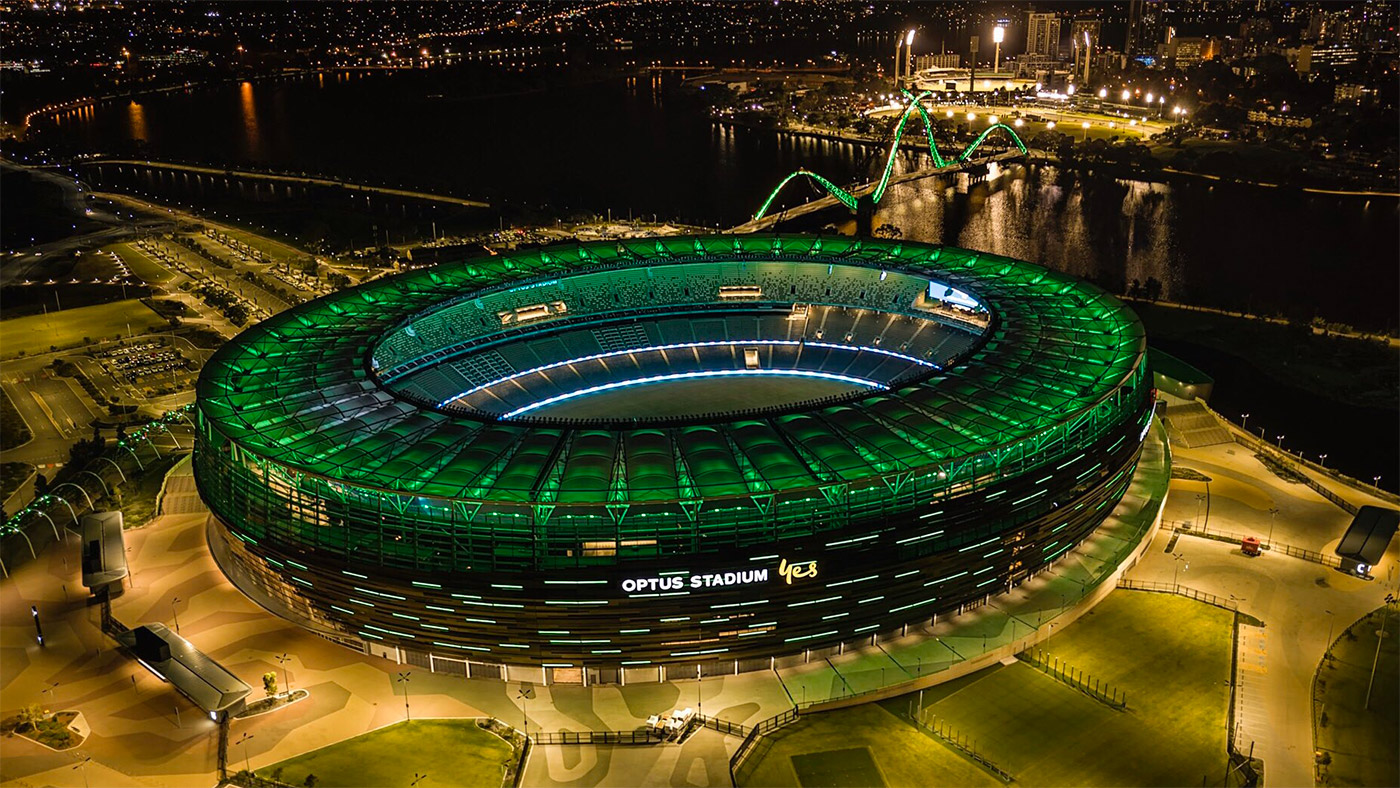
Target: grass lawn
36,333
1170,654
12,475
141,264
1361,741
860,746
138,493
837,768
451,752
275,250
13,430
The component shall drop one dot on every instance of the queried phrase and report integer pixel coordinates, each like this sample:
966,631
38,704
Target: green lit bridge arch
850,200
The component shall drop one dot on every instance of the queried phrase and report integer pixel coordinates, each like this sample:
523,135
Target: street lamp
998,35
82,766
1103,92
244,741
1244,422
1273,517
1085,126
1322,460
1280,441
524,694
283,659
403,679
1331,619
1127,94
175,611
1181,563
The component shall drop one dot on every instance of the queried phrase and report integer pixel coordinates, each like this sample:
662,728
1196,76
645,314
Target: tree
270,683
31,715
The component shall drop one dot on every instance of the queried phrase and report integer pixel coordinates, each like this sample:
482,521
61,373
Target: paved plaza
144,733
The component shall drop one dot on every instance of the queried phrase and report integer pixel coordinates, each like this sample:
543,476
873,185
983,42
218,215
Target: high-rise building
1187,51
1079,27
1043,34
1147,26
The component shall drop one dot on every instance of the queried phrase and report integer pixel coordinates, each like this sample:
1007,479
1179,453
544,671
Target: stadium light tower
998,35
909,55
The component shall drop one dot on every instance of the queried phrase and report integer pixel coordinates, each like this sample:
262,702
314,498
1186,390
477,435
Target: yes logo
797,571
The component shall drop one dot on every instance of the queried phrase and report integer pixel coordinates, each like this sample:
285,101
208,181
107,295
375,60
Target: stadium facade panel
391,464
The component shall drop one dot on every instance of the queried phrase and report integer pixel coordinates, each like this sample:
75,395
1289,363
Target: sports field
1170,654
36,333
695,396
449,752
860,746
1359,741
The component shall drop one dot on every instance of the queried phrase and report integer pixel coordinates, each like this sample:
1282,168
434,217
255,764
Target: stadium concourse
138,739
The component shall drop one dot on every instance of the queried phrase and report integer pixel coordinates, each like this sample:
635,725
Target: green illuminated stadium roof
298,388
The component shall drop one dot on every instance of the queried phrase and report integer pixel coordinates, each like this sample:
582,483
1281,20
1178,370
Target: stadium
657,454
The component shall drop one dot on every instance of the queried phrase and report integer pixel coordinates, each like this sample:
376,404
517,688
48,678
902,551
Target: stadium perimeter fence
1277,547
751,743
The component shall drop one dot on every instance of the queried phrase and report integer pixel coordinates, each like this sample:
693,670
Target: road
53,407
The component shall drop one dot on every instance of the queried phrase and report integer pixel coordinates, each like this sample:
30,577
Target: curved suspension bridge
851,199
